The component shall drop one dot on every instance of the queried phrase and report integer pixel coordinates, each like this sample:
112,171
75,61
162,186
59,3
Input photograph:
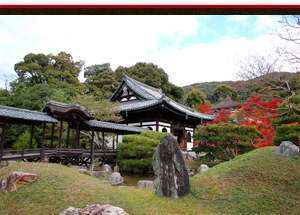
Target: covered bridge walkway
77,118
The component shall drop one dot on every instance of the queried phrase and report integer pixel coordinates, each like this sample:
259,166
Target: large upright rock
16,180
171,177
287,149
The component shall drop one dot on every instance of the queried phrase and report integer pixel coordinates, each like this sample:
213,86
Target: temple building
148,107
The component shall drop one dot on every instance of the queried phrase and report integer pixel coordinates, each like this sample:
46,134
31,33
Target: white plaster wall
160,128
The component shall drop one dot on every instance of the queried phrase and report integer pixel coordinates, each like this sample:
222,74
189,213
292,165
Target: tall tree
100,80
195,98
222,91
152,75
266,72
44,69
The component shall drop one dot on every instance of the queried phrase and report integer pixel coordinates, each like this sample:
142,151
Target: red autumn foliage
259,113
206,108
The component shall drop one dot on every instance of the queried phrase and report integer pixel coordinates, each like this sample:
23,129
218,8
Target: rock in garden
18,179
70,211
3,184
171,177
83,171
106,168
145,184
203,168
98,174
116,179
102,209
94,210
287,149
191,174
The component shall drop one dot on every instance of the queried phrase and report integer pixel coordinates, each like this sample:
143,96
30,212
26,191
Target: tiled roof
152,97
23,114
58,108
114,126
137,104
227,103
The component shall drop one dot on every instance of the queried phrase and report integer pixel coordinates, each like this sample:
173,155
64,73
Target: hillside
255,174
208,88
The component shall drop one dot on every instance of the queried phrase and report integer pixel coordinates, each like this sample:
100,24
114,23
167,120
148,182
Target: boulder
102,209
287,149
203,168
83,171
191,174
98,174
3,184
145,184
18,179
171,177
94,210
106,168
116,179
70,211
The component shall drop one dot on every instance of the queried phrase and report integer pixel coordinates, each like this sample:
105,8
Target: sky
190,49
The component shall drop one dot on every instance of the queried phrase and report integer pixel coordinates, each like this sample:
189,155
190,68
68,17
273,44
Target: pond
132,179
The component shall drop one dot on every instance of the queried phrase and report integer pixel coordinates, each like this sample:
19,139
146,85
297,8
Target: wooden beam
31,137
2,139
43,142
68,136
103,148
77,136
113,142
52,135
157,125
92,151
60,133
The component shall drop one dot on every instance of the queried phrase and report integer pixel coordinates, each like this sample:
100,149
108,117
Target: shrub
136,150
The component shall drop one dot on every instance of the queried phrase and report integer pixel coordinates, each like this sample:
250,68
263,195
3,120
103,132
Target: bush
136,150
24,141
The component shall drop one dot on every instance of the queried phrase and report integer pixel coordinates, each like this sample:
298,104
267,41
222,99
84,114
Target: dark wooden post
31,137
113,142
68,136
77,136
117,140
103,149
2,139
43,141
52,133
92,151
157,125
60,133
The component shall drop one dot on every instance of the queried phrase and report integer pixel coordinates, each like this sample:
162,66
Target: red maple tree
258,113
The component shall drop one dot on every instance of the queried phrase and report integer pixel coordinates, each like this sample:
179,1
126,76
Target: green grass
255,174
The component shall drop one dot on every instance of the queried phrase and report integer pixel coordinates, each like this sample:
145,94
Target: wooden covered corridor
77,118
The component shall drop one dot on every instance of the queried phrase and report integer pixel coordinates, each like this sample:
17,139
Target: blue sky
191,49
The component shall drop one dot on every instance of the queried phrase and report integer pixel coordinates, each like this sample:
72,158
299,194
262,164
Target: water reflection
132,179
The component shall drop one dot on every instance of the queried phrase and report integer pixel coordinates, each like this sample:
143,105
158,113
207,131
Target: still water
132,179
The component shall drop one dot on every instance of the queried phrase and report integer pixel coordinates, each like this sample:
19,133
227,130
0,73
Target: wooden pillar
113,142
141,123
31,137
92,151
68,136
157,128
117,140
2,139
52,133
60,133
77,135
103,149
43,146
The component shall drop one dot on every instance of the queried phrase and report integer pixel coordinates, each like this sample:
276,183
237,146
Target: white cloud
125,40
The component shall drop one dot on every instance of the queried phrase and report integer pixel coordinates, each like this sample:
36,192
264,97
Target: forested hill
208,88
